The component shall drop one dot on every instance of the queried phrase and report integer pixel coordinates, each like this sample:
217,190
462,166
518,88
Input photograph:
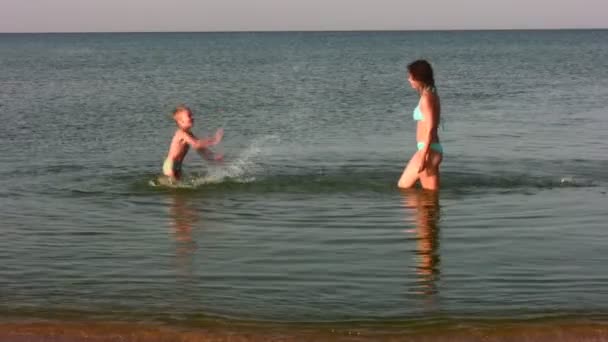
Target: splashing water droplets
242,169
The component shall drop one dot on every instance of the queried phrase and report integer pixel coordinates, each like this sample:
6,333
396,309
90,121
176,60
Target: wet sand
114,332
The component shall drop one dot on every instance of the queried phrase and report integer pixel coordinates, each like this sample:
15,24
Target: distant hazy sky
263,15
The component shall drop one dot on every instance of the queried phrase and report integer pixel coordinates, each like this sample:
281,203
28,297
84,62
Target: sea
300,233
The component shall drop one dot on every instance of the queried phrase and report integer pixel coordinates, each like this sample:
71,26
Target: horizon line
318,31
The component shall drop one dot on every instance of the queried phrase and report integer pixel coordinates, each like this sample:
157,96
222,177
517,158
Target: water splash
566,181
243,169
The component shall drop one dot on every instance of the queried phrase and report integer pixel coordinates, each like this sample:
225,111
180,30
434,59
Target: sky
296,15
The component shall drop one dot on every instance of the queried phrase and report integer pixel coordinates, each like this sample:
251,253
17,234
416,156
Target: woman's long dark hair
422,71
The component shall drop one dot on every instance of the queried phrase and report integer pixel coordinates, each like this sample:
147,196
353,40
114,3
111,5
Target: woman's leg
410,173
429,177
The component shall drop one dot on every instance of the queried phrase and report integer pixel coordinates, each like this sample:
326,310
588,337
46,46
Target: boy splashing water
183,139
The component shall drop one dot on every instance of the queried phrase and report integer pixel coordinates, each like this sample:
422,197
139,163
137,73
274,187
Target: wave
349,182
266,165
256,169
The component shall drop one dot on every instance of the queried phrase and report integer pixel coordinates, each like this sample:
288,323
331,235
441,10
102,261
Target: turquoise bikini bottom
434,146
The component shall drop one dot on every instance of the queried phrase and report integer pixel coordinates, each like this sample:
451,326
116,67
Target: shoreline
93,331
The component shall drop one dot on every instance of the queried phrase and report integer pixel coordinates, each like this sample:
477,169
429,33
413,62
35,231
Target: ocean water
302,223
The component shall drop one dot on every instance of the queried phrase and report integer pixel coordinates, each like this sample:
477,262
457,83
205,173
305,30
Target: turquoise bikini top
417,113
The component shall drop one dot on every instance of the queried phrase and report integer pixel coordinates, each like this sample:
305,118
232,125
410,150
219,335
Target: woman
424,164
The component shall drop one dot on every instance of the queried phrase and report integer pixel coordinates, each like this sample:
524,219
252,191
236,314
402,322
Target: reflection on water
423,207
183,218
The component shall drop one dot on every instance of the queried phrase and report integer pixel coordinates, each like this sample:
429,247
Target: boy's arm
209,155
205,142
190,139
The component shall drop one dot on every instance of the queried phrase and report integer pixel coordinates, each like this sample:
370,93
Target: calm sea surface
303,221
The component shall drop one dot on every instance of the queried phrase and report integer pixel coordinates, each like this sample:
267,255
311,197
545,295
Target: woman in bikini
424,164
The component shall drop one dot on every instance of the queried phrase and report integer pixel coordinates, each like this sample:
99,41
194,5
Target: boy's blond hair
181,108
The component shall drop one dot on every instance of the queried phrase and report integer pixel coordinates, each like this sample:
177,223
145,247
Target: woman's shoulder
430,94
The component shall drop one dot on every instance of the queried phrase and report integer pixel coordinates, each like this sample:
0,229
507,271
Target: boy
183,139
